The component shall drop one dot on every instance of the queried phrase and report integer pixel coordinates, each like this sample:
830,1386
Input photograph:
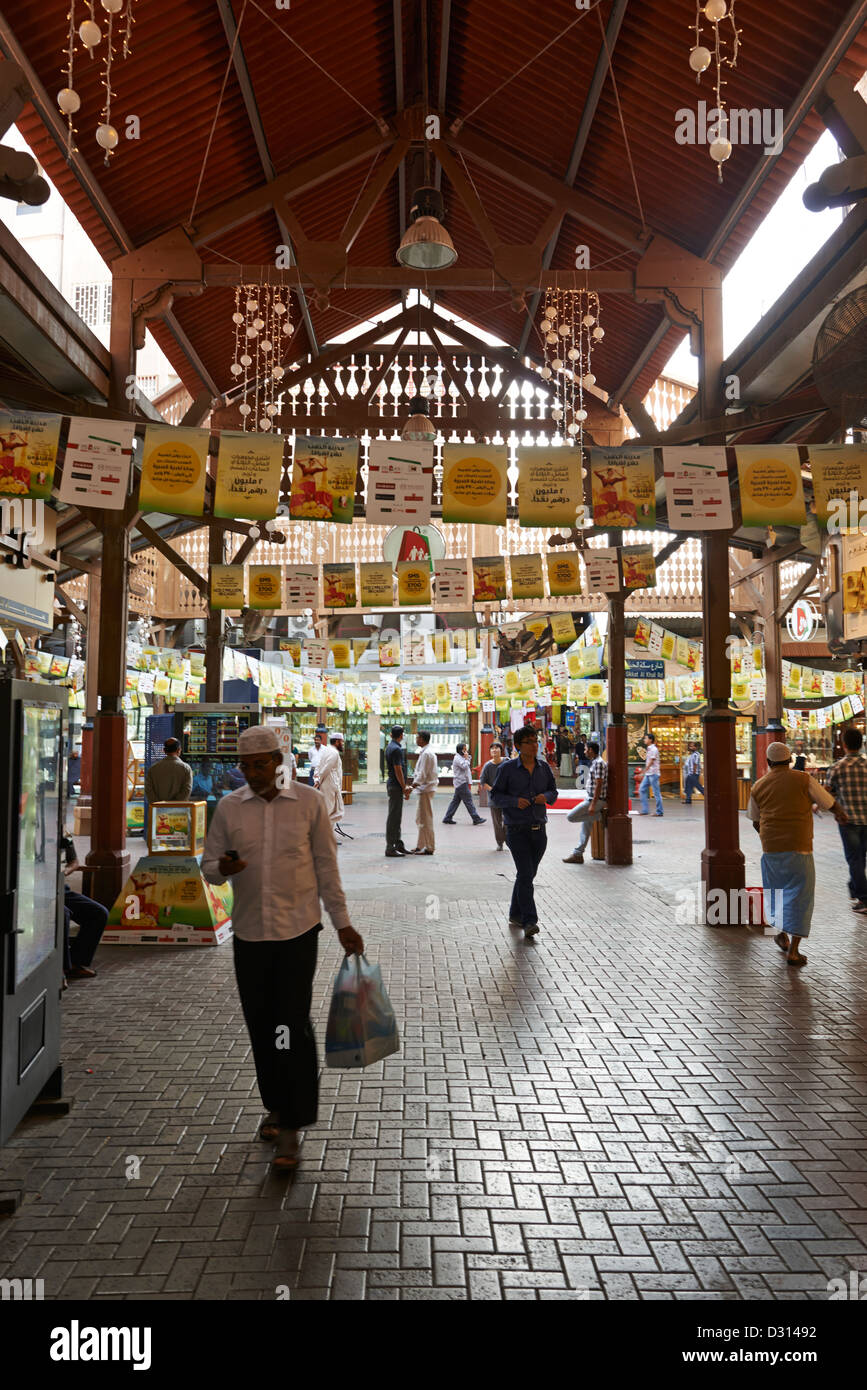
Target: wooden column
618,838
108,854
771,731
722,863
214,625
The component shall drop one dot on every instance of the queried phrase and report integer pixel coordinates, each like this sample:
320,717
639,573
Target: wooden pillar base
771,733
722,863
108,857
618,837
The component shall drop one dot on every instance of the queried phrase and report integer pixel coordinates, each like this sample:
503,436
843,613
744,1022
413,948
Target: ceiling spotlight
426,245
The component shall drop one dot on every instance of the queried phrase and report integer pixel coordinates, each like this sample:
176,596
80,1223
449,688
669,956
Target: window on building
106,303
86,303
24,209
148,385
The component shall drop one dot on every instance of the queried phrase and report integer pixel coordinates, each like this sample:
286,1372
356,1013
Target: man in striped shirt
692,773
847,782
590,810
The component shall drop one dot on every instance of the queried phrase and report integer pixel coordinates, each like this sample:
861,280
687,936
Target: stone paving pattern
628,1108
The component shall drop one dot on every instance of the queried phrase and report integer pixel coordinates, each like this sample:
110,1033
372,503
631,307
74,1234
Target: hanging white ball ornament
272,410
279,307
252,332
112,6
588,320
699,59
237,318
236,369
245,409
599,334
720,151
264,423
572,429
573,354
254,533
557,364
246,360
89,33
252,304
564,330
106,136
68,101
556,413
546,325
258,323
546,373
272,524
266,345
550,337
715,10
589,379
277,373
287,327
580,414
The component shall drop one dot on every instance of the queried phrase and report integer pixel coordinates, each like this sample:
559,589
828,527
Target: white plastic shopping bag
361,1025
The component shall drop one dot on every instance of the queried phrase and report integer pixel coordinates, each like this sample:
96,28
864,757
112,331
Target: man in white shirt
273,839
650,778
314,756
329,777
425,781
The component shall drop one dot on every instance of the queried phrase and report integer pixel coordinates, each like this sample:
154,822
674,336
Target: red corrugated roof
174,77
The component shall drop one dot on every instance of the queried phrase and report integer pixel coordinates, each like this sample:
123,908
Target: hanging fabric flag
562,629
97,462
413,582
489,578
389,651
839,485
323,478
772,491
340,650
338,586
28,453
475,483
302,587
526,576
266,586
440,644
249,469
549,486
697,491
399,483
377,577
639,568
452,584
642,633
623,486
173,471
227,586
682,650
564,573
655,640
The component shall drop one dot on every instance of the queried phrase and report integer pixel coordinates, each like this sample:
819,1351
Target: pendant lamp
426,245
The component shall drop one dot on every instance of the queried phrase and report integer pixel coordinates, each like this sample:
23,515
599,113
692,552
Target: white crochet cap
778,753
335,733
258,739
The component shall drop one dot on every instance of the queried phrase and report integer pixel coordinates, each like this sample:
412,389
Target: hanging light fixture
571,328
724,54
262,318
426,245
419,425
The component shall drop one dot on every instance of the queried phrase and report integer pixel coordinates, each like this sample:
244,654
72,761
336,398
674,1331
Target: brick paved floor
630,1108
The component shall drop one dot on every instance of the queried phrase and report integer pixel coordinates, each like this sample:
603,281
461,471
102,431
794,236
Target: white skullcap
258,739
778,753
335,733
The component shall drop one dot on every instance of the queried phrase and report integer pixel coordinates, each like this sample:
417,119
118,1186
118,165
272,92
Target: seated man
91,918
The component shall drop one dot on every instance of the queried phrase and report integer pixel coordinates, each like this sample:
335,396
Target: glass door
39,810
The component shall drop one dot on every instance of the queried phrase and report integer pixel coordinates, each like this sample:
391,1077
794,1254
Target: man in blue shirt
692,773
523,790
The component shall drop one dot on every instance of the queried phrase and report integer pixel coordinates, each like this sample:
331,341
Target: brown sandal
270,1127
797,960
782,940
287,1153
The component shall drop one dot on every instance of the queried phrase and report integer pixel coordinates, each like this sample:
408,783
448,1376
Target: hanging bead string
700,59
261,317
90,35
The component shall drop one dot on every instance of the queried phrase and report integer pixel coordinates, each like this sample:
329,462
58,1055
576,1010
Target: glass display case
208,736
176,827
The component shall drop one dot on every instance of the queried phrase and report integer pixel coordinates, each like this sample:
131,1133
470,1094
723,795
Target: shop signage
642,670
802,620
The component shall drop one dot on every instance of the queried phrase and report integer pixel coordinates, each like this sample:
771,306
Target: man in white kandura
328,778
273,839
425,781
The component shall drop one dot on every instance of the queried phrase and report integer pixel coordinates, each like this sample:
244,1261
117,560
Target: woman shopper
487,777
461,777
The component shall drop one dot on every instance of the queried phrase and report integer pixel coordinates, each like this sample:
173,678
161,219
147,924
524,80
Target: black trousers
527,846
275,984
91,918
393,838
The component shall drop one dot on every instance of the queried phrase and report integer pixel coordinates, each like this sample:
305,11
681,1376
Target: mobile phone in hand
231,854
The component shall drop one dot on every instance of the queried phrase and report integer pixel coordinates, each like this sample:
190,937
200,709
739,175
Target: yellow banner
549,487
475,483
323,478
772,491
376,584
564,573
563,629
249,468
526,575
340,649
413,582
338,586
623,485
489,578
28,452
266,586
227,587
174,468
